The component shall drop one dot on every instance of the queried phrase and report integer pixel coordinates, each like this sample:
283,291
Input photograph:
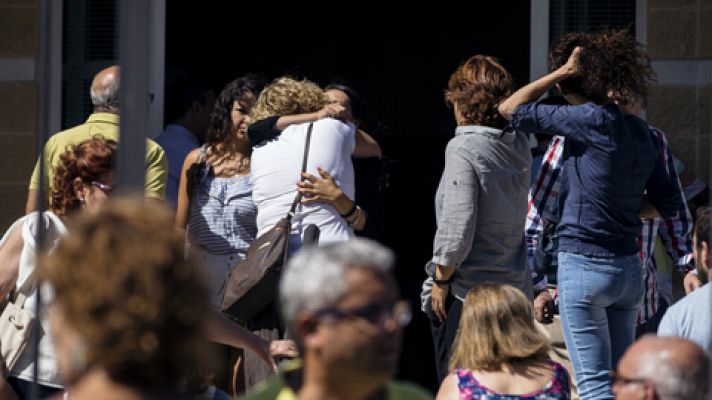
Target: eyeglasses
618,379
375,314
103,187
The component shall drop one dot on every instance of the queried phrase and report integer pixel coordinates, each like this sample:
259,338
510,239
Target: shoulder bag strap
54,230
22,291
298,197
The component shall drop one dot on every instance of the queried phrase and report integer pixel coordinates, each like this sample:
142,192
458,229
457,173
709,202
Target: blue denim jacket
612,161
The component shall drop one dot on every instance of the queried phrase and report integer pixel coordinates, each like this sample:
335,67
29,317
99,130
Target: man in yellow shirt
104,122
341,303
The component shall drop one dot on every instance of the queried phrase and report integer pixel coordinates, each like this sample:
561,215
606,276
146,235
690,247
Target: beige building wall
679,41
19,45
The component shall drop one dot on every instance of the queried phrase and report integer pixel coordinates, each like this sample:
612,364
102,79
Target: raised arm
536,89
269,128
366,146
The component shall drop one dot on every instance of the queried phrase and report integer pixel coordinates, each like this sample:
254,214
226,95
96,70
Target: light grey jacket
480,208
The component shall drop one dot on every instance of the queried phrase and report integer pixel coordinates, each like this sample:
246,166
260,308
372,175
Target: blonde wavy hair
287,96
124,286
496,328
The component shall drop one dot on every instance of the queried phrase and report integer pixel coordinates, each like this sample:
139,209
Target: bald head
677,368
105,90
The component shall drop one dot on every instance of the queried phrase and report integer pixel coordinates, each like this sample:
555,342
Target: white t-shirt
275,169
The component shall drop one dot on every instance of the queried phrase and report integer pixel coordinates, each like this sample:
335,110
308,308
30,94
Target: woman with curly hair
82,184
83,180
276,165
610,161
480,204
346,105
129,321
499,353
215,195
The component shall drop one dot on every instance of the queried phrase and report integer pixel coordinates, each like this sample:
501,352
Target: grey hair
107,98
314,278
674,381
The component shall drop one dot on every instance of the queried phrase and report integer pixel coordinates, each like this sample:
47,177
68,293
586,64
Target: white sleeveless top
48,374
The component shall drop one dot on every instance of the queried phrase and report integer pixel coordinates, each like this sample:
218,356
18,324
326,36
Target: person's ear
307,328
79,189
561,89
649,392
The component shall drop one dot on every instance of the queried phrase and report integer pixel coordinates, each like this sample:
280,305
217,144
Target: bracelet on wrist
355,220
441,282
351,211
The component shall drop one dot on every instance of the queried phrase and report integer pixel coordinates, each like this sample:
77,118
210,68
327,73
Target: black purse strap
298,197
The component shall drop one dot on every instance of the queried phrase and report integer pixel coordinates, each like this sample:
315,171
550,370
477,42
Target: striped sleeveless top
222,217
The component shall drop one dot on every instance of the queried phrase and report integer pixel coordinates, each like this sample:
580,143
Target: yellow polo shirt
104,125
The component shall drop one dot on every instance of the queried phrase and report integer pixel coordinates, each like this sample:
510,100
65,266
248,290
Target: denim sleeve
579,123
458,215
662,192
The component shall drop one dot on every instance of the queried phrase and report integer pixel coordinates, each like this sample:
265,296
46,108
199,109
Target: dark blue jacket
611,162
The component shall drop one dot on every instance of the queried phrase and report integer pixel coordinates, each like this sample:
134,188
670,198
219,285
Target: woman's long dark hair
220,126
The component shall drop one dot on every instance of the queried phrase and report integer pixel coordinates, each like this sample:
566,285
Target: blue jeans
599,301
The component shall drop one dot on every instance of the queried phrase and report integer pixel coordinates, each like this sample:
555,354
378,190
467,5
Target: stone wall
679,41
19,45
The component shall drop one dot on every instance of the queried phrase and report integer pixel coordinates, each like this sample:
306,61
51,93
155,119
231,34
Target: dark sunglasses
375,314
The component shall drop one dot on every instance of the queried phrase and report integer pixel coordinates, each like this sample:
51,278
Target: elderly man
691,317
663,369
104,122
341,303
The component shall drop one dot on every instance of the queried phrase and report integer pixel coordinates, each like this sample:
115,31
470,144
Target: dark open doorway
398,56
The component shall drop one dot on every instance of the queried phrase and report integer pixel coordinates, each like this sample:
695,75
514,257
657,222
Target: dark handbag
252,284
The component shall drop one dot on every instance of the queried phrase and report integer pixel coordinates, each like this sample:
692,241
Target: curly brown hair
90,160
612,64
287,96
478,86
123,284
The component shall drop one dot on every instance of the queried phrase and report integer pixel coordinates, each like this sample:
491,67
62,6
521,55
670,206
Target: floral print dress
557,388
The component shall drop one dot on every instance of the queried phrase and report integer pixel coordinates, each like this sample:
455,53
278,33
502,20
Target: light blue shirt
177,142
691,318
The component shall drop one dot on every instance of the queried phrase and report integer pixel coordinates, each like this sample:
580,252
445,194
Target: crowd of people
532,244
